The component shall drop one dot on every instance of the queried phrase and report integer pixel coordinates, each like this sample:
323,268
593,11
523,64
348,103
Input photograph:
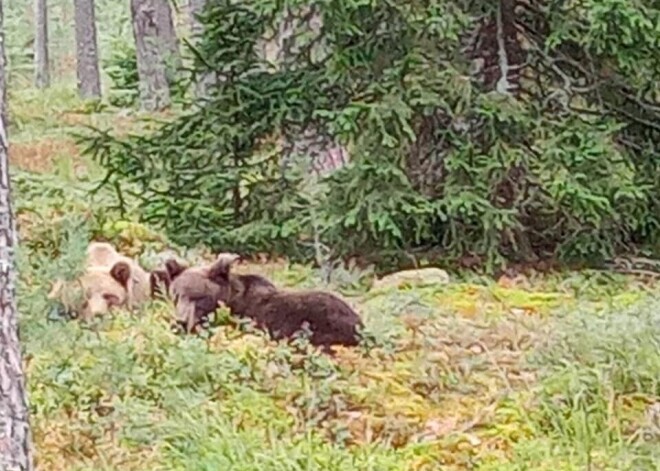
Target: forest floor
556,372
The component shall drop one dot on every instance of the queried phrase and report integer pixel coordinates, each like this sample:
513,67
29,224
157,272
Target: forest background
336,139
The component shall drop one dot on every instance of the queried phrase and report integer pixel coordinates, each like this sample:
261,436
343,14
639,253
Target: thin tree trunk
15,435
154,89
41,61
87,55
205,80
168,39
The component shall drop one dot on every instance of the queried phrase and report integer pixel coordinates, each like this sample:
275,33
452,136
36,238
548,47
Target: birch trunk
15,436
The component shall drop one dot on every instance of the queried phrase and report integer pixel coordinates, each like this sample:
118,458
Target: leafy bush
543,157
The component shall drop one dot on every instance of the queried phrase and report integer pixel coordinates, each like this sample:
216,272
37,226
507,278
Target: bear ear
174,268
121,272
219,271
159,281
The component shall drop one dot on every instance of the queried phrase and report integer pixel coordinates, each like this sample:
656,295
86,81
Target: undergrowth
560,373
470,375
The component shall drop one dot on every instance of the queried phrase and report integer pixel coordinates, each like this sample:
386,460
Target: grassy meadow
557,372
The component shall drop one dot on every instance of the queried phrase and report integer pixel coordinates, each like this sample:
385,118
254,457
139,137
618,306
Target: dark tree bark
206,80
41,61
15,436
169,41
154,89
87,66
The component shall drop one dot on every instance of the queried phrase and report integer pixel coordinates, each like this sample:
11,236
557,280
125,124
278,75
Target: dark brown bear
282,313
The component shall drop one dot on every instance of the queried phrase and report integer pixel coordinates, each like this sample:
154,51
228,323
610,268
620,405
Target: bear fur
194,295
110,280
284,313
160,281
134,278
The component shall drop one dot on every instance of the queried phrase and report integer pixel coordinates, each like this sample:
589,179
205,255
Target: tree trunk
87,66
206,80
168,39
306,144
154,90
15,436
41,62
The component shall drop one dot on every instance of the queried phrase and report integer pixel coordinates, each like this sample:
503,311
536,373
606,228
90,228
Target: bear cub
284,313
194,295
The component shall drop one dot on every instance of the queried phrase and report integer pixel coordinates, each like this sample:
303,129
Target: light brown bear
110,280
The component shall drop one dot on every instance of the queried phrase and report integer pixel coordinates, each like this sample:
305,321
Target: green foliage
446,384
438,159
122,70
121,67
112,22
592,357
596,370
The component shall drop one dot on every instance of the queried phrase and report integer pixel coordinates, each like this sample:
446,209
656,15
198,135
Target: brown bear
110,280
285,313
160,281
194,295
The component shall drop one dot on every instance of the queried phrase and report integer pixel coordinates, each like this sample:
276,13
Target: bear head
160,279
237,291
139,286
110,280
198,291
96,292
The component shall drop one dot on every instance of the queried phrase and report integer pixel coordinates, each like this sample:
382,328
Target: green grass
468,375
513,393
558,375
